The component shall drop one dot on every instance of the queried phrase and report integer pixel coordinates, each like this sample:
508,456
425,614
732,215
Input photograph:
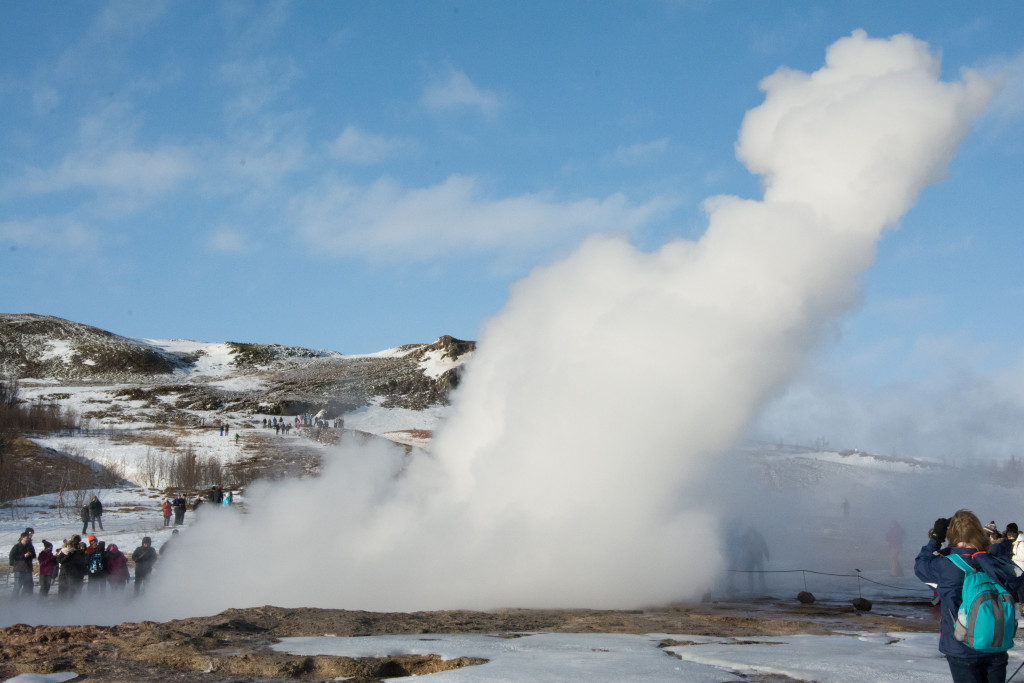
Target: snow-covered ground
585,658
128,515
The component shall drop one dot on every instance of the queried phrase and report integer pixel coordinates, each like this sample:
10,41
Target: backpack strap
962,563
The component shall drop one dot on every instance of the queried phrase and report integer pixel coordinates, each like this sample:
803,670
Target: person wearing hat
47,568
144,557
117,567
74,565
999,546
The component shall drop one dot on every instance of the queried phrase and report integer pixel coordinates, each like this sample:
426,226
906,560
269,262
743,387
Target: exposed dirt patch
233,645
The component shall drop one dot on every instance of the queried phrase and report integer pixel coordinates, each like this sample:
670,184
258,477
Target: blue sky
354,176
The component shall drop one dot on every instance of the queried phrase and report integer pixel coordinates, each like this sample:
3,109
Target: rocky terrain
284,380
233,645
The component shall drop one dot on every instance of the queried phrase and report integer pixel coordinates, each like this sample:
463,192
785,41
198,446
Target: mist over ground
586,461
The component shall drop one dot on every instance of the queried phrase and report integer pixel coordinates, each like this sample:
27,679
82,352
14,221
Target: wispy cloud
640,152
387,221
128,170
257,83
356,146
51,232
228,240
455,91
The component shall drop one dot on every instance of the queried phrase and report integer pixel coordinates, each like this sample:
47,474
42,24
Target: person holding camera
969,540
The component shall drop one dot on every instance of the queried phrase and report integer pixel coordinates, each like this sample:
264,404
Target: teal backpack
987,620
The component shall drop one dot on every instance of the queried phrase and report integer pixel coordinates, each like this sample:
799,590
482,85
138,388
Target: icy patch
43,678
572,658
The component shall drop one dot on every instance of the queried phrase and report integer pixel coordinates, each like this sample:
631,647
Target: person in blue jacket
967,538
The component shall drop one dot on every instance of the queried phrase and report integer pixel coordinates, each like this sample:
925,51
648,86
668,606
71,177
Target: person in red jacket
167,511
47,568
117,567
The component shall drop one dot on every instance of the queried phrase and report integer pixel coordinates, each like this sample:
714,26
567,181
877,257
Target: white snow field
588,658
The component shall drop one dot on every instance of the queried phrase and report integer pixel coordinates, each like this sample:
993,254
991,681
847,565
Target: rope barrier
859,577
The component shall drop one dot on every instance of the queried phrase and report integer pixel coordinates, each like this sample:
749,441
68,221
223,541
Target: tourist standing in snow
85,518
21,557
96,512
179,510
144,557
97,566
167,511
47,568
967,538
74,565
117,567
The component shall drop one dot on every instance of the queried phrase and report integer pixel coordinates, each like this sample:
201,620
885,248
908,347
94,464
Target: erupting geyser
573,471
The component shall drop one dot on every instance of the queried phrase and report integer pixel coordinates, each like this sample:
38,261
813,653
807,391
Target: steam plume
575,469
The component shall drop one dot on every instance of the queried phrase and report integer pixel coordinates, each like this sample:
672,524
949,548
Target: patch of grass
250,355
157,439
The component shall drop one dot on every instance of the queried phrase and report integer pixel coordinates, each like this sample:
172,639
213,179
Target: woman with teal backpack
967,556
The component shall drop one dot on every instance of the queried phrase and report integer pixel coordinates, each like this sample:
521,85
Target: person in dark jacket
144,557
117,567
96,512
998,545
47,568
85,518
967,538
74,565
97,565
21,557
179,506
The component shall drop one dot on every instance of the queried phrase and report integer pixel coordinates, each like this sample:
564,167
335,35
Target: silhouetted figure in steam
894,539
753,553
144,557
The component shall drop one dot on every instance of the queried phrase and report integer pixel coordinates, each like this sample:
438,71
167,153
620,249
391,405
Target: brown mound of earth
234,645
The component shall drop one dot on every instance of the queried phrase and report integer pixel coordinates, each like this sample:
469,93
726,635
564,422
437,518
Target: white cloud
257,83
355,146
456,91
128,170
640,152
228,240
58,232
385,220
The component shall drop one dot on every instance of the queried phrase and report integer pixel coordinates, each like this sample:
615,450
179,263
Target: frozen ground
128,515
585,658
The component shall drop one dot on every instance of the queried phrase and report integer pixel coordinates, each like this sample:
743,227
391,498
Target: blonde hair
965,527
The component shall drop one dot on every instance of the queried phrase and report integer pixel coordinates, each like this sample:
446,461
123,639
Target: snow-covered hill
140,401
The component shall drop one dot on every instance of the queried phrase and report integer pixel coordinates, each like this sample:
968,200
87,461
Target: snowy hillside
141,404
